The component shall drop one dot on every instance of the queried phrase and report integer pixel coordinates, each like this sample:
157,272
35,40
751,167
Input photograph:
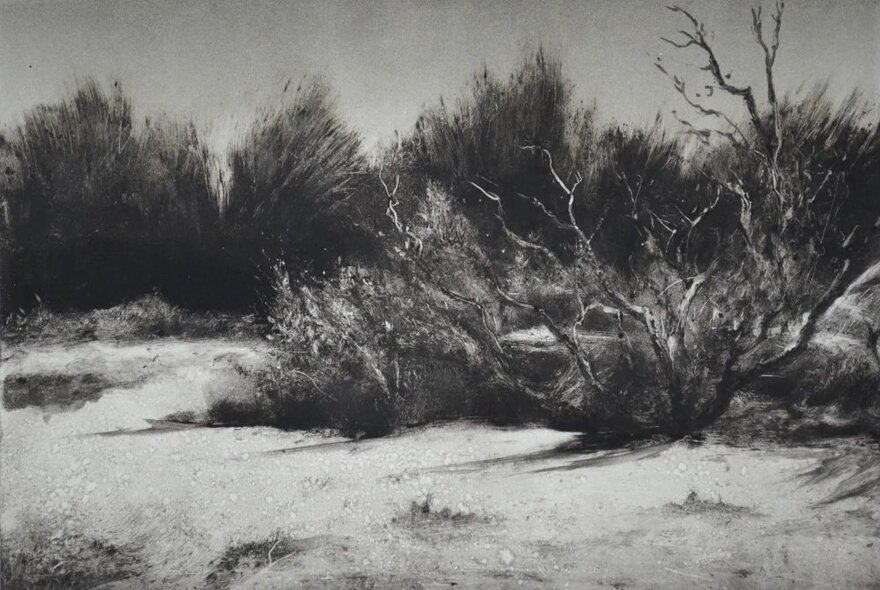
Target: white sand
554,521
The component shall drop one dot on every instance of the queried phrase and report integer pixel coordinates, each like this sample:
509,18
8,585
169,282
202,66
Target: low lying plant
150,316
38,560
425,512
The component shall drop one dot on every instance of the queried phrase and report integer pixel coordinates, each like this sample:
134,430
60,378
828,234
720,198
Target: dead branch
501,364
844,277
769,50
570,343
513,236
391,212
642,314
697,38
680,86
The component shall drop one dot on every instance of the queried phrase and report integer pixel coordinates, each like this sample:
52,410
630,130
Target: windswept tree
800,176
730,264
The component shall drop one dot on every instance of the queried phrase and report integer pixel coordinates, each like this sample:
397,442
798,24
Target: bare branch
771,49
807,329
514,237
679,85
546,153
723,81
684,306
570,343
569,192
769,59
391,213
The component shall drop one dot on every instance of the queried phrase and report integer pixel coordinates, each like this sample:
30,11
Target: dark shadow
155,427
857,474
359,444
59,392
583,451
354,446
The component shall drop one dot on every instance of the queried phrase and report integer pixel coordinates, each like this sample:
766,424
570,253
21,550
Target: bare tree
715,314
715,323
427,263
799,258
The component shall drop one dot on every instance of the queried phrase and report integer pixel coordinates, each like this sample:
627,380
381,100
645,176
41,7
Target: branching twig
697,38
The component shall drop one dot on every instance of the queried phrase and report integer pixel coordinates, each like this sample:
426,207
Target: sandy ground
530,515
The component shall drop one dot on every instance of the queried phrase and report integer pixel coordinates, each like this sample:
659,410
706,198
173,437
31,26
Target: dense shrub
374,348
496,133
481,135
149,316
292,175
719,262
101,209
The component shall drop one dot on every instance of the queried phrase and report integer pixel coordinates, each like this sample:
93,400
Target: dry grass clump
149,316
241,559
425,512
694,504
38,560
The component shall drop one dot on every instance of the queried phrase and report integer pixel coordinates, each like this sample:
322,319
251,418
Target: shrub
101,209
835,370
358,354
480,134
43,559
146,317
723,270
241,559
292,174
375,348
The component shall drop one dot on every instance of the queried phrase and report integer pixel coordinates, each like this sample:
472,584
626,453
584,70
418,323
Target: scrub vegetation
513,256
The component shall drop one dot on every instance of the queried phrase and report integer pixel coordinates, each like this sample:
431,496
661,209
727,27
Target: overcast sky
218,61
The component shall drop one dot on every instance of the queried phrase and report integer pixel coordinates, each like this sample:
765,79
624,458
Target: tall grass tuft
291,175
101,208
480,133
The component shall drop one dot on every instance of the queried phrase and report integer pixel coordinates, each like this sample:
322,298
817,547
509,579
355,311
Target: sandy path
541,519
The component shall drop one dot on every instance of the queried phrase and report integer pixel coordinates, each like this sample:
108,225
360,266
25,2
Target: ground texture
100,490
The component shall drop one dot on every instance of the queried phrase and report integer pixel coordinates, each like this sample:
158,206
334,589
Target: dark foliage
292,177
99,210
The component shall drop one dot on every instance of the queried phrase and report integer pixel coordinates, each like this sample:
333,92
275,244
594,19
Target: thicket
100,208
512,257
663,283
293,177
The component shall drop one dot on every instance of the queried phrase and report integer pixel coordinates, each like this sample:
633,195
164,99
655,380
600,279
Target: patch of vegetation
241,559
425,512
101,207
694,504
38,561
53,391
294,174
149,316
663,281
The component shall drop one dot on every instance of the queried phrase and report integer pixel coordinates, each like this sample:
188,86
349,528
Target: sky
220,61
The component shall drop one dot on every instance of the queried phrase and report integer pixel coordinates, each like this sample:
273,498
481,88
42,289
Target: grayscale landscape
439,294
